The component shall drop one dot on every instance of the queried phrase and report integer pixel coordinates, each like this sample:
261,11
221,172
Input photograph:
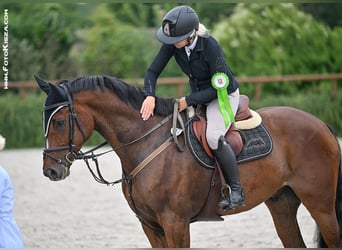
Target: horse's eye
60,123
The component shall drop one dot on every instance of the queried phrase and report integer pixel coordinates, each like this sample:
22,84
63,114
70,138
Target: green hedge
319,104
21,121
278,39
21,118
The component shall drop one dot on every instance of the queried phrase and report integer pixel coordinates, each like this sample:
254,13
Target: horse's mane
127,93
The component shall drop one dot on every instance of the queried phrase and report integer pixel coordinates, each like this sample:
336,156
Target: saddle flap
199,128
233,138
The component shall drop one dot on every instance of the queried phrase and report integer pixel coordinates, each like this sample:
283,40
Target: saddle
233,137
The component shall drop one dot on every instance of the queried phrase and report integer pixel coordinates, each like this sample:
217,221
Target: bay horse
166,195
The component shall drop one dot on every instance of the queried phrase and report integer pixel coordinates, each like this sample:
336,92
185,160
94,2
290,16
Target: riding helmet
177,25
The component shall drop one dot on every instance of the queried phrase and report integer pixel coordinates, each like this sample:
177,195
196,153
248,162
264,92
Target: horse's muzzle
56,172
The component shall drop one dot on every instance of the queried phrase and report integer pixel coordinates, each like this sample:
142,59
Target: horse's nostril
51,173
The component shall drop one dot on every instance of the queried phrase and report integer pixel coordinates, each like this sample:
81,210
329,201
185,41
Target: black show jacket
205,60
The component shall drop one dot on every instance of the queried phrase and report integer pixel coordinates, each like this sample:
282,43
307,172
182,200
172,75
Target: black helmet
178,24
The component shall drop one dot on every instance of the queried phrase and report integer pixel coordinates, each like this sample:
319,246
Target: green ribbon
220,82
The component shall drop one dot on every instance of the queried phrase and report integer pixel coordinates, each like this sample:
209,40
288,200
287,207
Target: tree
135,14
275,39
41,38
114,48
329,13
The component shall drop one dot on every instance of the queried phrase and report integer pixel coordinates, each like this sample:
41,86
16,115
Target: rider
212,83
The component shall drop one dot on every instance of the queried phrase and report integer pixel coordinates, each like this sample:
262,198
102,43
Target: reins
90,153
94,157
177,117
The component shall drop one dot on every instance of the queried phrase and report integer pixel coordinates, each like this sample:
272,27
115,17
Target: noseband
73,152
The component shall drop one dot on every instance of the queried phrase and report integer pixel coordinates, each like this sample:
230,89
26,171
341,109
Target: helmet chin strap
190,38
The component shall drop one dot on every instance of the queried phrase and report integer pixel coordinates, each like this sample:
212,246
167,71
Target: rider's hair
202,31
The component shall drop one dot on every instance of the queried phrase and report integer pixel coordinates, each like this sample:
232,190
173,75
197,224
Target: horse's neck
116,121
120,124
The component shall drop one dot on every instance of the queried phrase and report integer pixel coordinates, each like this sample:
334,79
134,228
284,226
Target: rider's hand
147,107
182,104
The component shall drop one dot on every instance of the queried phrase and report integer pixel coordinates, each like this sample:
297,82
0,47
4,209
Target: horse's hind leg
318,195
326,220
329,228
283,207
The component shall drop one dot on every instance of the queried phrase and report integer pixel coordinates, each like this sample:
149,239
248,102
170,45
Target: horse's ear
43,84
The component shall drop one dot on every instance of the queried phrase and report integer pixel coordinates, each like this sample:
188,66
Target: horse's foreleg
177,233
283,207
156,237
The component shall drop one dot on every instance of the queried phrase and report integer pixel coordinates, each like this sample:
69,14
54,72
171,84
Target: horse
171,189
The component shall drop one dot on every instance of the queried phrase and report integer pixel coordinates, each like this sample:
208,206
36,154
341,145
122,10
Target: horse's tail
338,204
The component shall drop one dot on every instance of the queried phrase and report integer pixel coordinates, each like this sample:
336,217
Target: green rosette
220,82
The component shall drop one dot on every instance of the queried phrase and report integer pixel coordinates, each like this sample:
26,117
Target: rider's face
181,44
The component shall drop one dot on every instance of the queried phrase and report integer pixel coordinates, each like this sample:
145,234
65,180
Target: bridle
74,154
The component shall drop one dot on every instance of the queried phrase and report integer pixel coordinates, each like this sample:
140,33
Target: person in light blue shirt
10,236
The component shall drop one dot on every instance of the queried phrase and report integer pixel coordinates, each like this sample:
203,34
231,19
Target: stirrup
226,194
229,190
228,199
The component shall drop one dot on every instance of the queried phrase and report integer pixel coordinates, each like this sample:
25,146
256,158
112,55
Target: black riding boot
227,161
